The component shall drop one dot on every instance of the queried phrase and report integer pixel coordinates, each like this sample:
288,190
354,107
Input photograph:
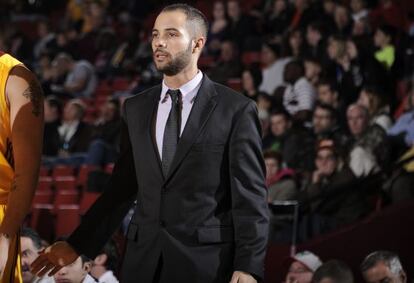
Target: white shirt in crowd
273,76
108,277
300,96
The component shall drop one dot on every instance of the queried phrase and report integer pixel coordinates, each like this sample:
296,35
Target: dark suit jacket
209,216
80,141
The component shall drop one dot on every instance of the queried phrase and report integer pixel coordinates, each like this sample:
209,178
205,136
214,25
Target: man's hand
242,277
53,259
4,252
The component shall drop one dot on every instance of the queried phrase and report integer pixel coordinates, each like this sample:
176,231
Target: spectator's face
219,10
272,166
322,120
381,273
279,6
329,7
357,121
357,5
268,57
109,112
263,103
299,273
300,4
247,81
28,255
336,49
50,112
326,95
312,71
279,125
73,273
341,16
364,100
313,36
380,39
295,40
70,112
172,43
326,162
233,9
42,29
227,52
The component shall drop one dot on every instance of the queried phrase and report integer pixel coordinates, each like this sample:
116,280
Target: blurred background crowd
333,81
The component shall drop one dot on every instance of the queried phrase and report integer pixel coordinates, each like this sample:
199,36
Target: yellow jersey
12,271
7,63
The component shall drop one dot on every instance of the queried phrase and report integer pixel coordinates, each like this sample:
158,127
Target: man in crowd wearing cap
302,266
383,266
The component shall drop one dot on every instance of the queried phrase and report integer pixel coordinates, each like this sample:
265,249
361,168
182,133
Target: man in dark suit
191,157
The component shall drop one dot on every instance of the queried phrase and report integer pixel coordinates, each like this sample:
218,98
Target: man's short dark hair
55,102
33,235
281,112
336,270
390,259
193,15
273,154
85,259
331,84
111,252
332,111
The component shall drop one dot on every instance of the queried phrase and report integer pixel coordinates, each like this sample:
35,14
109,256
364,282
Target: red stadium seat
44,184
65,183
42,220
235,84
250,57
66,197
67,219
44,171
83,174
206,62
43,197
88,199
62,170
120,84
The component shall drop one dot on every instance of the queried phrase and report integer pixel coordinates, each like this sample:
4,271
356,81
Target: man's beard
177,64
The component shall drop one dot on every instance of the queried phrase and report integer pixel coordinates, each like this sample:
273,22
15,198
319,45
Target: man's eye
171,34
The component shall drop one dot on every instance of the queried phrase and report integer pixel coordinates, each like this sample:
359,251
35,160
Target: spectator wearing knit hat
302,267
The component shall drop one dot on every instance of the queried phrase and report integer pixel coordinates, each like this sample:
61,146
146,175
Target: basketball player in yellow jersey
21,134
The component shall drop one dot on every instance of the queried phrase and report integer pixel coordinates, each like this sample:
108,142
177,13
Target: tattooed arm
25,100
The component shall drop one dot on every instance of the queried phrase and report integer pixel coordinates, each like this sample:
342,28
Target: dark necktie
172,130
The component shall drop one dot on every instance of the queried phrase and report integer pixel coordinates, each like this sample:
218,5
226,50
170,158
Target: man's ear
198,44
101,259
87,266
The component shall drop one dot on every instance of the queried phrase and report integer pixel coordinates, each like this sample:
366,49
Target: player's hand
242,277
53,259
4,253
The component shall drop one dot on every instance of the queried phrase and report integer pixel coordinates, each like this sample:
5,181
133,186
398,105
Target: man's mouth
160,55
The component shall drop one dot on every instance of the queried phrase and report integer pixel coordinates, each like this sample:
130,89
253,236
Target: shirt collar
187,89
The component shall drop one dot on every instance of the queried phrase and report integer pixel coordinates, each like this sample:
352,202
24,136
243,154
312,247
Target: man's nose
159,42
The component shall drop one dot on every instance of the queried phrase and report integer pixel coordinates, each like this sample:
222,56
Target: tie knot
175,95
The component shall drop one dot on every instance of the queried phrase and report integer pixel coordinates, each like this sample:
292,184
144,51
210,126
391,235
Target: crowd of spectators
333,82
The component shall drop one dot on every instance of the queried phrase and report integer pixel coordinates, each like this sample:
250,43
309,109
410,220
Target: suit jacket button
162,223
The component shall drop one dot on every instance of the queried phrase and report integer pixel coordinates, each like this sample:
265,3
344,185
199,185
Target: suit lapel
145,136
204,105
